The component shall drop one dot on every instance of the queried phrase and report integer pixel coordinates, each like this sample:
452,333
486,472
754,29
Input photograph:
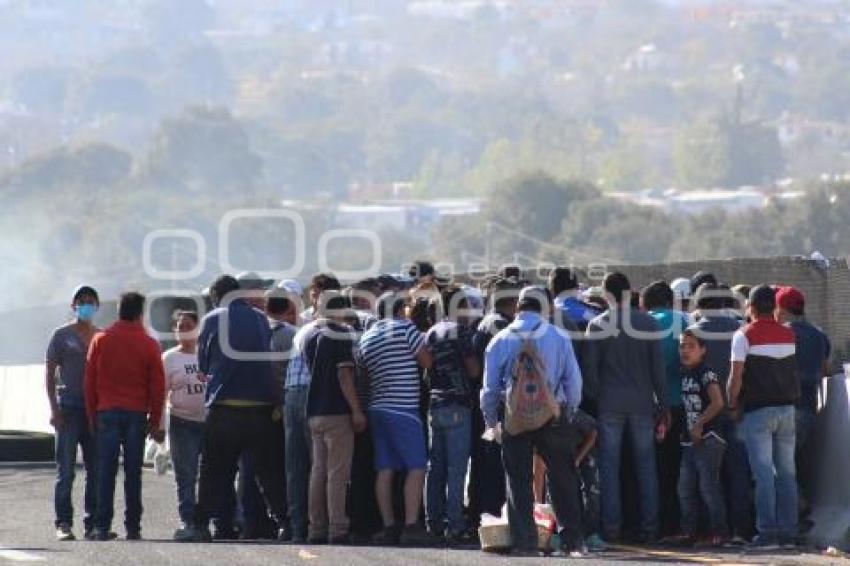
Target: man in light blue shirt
556,441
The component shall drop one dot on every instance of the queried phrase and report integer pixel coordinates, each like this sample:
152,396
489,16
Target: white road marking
19,555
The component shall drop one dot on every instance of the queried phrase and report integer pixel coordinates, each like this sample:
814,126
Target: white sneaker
64,532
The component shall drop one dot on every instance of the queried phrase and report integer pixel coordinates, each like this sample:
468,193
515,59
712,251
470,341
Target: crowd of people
400,409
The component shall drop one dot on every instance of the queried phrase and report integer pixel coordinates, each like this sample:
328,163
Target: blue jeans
74,431
185,438
642,435
297,457
450,446
770,435
699,479
119,430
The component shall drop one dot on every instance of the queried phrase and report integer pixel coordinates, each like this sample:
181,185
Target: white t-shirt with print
184,390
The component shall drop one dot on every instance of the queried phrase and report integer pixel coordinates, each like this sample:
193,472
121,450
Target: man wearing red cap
813,349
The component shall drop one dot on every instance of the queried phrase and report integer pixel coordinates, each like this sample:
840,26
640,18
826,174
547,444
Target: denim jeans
297,457
120,431
770,435
74,431
556,444
449,459
642,435
699,480
805,455
186,439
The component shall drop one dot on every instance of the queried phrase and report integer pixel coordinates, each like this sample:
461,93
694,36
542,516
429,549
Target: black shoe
526,552
317,540
135,534
195,534
647,539
339,540
359,539
103,535
416,535
284,534
389,536
89,533
226,533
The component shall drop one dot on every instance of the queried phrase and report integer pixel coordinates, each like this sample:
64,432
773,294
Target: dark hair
333,301
85,291
562,279
370,284
441,306
695,333
701,277
221,287
277,302
419,313
502,291
657,295
188,314
762,299
421,268
390,304
535,300
710,297
131,305
617,285
324,282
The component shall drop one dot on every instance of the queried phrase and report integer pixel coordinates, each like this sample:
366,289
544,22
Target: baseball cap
681,288
291,286
790,299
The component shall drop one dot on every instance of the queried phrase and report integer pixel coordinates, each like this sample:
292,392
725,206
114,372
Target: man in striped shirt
391,353
763,380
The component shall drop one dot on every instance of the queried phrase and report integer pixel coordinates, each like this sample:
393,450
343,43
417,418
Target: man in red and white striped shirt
764,382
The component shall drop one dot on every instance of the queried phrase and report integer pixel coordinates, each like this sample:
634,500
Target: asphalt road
27,535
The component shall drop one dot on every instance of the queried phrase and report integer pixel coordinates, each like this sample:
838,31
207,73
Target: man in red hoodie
125,391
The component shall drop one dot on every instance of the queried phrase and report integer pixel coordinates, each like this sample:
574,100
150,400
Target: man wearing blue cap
66,368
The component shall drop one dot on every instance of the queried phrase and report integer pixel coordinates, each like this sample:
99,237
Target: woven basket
495,538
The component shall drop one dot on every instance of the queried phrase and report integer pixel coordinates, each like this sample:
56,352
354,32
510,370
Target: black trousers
231,432
556,444
486,490
362,504
669,458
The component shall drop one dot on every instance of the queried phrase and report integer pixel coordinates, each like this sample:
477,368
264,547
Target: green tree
529,208
93,165
204,149
701,155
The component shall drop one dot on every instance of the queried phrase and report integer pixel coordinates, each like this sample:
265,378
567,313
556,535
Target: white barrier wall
23,401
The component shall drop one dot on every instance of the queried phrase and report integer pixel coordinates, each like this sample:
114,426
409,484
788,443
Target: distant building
402,215
701,200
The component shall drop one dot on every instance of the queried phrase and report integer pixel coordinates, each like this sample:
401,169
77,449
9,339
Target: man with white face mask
66,366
